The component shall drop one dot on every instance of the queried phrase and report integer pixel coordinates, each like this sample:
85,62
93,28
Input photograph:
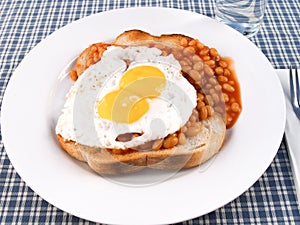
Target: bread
194,152
134,36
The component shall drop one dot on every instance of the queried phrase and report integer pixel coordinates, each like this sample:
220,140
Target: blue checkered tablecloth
24,23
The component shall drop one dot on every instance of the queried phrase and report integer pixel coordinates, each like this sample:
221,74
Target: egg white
81,122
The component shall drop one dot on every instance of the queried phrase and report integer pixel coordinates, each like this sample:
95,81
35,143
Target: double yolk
130,101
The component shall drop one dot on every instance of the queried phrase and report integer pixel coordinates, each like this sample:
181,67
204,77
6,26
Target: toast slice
195,151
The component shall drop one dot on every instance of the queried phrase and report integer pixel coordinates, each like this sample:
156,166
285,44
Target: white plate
28,135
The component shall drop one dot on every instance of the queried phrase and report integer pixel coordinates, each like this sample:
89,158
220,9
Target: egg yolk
129,102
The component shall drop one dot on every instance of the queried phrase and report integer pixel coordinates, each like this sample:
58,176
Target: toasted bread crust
133,36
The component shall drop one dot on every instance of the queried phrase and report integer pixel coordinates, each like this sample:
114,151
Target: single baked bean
213,52
212,81
196,58
193,130
183,42
208,71
73,75
200,97
200,46
231,82
222,79
183,62
206,58
188,50
211,91
219,70
198,66
227,72
204,51
211,63
225,97
94,48
190,63
200,104
216,98
203,113
210,110
170,142
217,58
181,138
228,119
89,62
191,49
195,75
192,42
186,68
96,56
218,87
235,107
223,64
228,87
209,100
157,144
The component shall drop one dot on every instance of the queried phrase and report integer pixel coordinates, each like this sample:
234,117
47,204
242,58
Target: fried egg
131,89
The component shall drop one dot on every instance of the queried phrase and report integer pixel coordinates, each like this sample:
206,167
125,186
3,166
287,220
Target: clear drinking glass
243,15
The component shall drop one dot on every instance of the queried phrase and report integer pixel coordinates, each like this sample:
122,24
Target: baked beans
170,141
181,138
219,83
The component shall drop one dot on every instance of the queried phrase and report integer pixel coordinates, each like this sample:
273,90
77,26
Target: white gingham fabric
24,23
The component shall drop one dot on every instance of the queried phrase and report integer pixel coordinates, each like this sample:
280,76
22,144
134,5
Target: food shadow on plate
146,177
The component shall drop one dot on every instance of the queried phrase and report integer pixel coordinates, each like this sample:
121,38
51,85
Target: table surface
271,200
